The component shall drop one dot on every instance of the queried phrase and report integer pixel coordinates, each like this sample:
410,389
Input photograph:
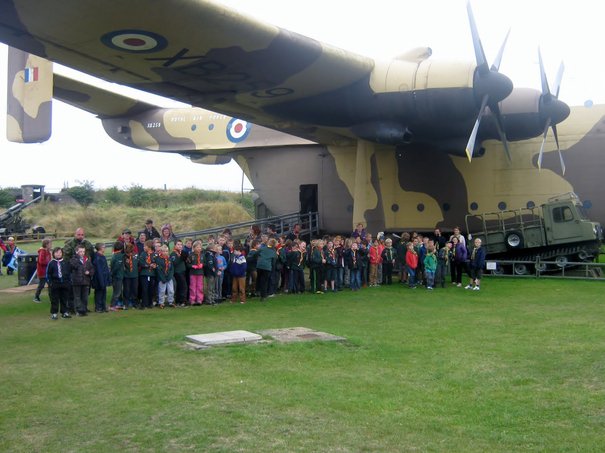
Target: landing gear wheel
514,240
583,255
520,269
561,261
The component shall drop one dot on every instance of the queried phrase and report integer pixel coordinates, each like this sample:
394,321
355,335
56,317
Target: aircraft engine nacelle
526,113
428,89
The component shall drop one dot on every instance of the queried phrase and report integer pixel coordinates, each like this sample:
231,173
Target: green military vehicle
557,231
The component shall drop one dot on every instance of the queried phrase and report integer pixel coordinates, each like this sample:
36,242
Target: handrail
283,223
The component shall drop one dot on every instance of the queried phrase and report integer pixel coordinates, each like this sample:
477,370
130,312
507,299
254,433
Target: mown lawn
518,366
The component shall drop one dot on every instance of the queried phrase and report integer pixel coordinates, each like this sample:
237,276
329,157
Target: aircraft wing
198,52
98,101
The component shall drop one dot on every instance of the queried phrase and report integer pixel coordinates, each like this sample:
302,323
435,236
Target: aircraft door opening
308,198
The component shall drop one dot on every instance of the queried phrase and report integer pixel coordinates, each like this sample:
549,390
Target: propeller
489,85
552,109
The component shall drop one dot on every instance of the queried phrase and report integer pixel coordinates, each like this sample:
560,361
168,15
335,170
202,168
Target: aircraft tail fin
29,97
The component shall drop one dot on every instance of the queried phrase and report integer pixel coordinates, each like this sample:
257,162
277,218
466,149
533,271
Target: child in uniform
411,264
147,278
210,270
44,257
196,274
117,275
131,276
430,266
238,276
101,278
165,271
58,276
81,274
178,258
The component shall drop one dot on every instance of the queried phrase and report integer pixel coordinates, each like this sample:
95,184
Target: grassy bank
108,220
516,367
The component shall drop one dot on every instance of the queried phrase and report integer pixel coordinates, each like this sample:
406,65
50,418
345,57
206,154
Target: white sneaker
54,317
429,287
459,285
468,287
476,288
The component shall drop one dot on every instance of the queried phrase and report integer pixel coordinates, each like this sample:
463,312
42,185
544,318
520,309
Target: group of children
147,273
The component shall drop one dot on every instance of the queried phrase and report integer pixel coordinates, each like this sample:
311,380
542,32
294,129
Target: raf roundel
136,41
238,130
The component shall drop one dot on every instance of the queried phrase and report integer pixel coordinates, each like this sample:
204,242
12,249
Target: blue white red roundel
238,130
138,41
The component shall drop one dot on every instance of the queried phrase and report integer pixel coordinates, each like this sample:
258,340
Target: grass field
518,366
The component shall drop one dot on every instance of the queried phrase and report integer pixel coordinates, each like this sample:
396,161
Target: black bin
26,267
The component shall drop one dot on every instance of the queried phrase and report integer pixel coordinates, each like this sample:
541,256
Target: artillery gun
11,221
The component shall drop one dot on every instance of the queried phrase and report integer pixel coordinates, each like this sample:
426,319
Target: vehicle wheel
499,270
39,230
583,255
520,269
561,261
514,240
541,267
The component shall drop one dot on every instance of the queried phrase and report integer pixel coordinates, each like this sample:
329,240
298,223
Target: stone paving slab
293,334
220,338
19,289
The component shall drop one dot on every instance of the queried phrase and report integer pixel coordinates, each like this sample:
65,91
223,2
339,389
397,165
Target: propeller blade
470,146
543,143
555,110
479,53
543,79
562,163
496,65
554,131
501,131
559,78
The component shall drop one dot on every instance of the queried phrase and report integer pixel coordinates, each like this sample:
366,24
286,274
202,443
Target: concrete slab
292,334
220,338
19,289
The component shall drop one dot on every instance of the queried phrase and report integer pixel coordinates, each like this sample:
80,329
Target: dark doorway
308,198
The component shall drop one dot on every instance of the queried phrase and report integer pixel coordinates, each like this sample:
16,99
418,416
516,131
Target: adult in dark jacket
150,231
264,266
460,255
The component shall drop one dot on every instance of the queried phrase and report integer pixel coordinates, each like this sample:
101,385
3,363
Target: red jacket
375,255
411,259
44,257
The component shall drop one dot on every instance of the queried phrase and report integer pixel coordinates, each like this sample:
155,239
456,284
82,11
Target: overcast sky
571,31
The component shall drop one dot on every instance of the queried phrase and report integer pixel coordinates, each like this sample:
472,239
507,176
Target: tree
84,194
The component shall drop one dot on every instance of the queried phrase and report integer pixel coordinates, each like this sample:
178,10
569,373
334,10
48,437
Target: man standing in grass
69,250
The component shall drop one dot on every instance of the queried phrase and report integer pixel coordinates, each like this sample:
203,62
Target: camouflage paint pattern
29,96
361,111
238,66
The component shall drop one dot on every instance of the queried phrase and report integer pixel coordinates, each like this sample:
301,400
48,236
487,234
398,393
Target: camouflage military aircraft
388,144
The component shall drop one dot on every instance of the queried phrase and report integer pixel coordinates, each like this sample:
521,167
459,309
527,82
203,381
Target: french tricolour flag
31,75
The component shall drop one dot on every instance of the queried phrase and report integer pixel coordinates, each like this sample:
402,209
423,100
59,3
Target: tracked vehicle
558,231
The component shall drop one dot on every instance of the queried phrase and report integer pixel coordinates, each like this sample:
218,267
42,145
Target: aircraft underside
418,189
